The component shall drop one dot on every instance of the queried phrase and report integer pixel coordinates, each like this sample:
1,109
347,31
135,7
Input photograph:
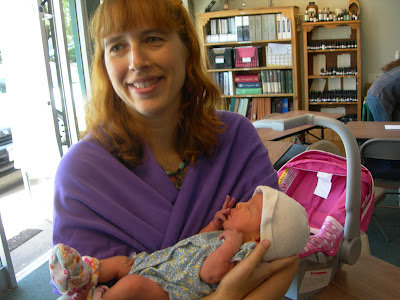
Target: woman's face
147,68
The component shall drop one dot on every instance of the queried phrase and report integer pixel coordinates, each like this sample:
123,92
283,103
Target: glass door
43,86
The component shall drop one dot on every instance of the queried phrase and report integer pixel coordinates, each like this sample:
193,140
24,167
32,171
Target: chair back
381,148
381,156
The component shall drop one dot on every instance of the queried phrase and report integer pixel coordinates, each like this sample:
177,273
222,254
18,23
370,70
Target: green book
290,81
248,91
232,105
282,76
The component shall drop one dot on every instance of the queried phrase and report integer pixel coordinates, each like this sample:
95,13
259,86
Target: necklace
177,176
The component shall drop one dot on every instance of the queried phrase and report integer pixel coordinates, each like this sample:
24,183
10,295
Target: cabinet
259,45
332,67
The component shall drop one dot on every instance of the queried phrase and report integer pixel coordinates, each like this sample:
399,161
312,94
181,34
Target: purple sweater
102,208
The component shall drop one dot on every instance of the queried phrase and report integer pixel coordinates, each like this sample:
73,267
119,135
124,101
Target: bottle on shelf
320,15
306,16
312,8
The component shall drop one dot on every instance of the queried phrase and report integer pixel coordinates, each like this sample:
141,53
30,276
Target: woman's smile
145,86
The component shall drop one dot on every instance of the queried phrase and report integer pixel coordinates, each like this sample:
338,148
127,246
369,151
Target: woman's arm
263,280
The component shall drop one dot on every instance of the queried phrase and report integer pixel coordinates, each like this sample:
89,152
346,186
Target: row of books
249,28
272,82
256,108
277,81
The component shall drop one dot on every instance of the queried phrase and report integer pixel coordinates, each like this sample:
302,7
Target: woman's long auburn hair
107,117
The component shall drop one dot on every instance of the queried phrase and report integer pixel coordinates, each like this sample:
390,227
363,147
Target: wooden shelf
258,96
331,61
333,50
290,12
245,43
252,69
331,76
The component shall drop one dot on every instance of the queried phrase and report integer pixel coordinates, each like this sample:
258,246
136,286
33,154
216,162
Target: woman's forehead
122,20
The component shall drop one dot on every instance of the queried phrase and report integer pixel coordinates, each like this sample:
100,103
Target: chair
381,156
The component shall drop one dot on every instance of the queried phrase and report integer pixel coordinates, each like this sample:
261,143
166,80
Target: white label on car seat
314,280
324,185
287,178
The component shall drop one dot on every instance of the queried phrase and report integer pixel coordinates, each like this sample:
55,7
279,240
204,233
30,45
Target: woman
157,160
383,96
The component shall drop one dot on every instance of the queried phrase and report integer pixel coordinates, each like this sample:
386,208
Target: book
243,105
278,105
248,85
288,29
253,109
275,82
290,81
248,91
232,37
267,106
283,81
226,83
252,28
249,107
239,28
264,25
279,26
232,105
258,27
264,81
236,108
230,83
246,78
246,33
285,105
283,26
260,108
271,27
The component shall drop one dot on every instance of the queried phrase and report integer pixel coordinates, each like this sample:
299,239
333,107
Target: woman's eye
115,48
154,40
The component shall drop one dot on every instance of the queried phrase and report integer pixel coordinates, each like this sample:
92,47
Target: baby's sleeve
244,251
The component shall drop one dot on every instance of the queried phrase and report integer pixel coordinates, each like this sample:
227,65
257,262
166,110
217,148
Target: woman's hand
249,274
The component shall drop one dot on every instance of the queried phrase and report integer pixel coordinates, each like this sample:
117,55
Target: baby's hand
233,237
221,215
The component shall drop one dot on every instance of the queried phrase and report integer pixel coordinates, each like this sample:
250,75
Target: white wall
380,27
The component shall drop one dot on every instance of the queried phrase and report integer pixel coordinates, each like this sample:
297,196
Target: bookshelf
332,66
257,43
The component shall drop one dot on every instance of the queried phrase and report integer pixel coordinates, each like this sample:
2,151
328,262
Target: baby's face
246,218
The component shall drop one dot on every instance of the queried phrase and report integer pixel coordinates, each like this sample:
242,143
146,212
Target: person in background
383,97
157,159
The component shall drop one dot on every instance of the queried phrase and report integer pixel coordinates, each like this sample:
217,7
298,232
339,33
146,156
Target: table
364,130
272,135
369,278
276,149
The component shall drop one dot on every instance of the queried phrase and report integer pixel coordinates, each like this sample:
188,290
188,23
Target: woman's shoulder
80,155
235,122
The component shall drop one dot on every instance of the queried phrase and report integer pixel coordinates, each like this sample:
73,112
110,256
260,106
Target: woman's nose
138,59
